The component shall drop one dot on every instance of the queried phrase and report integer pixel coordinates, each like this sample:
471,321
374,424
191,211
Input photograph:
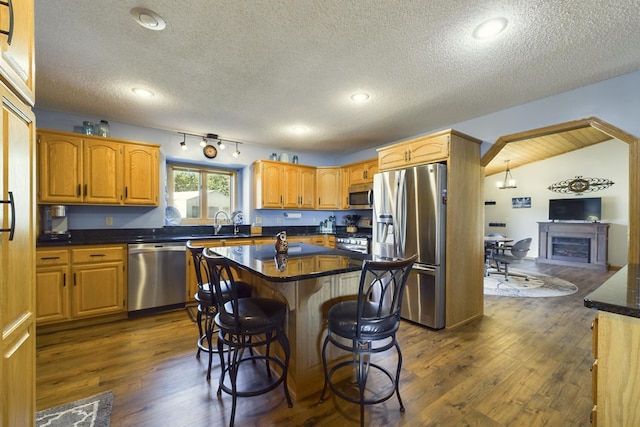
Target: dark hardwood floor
525,363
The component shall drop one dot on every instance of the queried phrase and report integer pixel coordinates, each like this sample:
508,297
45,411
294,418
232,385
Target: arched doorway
543,143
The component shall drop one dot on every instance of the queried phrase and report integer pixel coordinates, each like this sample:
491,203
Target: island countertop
619,294
302,261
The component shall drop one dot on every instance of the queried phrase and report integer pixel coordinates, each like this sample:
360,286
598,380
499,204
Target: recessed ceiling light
359,97
148,18
490,28
144,93
299,129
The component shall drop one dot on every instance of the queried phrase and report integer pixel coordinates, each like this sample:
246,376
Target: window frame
203,170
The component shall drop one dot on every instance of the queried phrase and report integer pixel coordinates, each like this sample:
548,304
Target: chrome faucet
216,225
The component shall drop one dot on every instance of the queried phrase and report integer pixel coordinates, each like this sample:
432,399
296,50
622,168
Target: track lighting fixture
205,142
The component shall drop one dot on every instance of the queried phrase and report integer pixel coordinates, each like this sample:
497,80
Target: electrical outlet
108,220
278,220
314,220
258,220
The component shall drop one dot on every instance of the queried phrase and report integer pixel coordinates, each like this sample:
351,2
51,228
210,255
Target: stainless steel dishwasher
156,276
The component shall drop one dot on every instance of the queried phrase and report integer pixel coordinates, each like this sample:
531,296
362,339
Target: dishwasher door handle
156,248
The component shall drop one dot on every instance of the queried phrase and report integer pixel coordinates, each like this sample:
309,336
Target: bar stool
208,303
365,327
247,323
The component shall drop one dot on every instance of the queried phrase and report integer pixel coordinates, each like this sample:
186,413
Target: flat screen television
578,209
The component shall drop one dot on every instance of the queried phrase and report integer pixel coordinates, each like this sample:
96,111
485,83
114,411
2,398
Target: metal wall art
581,185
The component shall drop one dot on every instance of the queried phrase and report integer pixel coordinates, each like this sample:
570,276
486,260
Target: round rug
538,286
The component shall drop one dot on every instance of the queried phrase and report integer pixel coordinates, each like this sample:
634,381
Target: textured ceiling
250,70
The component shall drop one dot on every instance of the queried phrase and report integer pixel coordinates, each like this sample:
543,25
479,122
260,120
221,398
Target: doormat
538,286
94,411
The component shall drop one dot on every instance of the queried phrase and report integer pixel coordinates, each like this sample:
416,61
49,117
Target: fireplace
573,249
579,244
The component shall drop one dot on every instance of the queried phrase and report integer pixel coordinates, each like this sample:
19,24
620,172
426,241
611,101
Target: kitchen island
309,279
616,346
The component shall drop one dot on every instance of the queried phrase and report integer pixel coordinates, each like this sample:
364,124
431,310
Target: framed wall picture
520,202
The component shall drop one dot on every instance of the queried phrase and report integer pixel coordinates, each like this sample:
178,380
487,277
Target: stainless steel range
356,243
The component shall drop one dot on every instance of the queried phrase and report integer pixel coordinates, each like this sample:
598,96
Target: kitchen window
197,193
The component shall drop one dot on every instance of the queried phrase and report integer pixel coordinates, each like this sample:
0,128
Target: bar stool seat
247,323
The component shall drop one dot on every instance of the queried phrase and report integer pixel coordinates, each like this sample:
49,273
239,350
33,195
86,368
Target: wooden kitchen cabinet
419,151
81,282
52,285
141,175
329,187
60,176
362,172
284,185
17,61
98,281
17,255
616,380
298,186
102,171
83,169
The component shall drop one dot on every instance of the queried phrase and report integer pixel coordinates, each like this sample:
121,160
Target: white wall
606,160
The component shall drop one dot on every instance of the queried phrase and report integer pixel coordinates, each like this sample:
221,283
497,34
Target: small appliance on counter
54,223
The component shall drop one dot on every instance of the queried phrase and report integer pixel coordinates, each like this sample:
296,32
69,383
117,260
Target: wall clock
210,151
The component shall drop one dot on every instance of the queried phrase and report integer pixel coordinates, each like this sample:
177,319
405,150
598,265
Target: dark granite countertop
173,234
619,294
302,261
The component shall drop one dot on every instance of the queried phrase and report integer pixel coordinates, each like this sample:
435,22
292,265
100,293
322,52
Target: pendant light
508,181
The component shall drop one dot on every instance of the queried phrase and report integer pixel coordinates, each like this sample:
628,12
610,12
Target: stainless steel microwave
361,196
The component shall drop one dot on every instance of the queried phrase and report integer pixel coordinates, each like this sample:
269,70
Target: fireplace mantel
576,244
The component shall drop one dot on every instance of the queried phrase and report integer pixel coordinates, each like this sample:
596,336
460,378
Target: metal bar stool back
207,301
365,327
248,324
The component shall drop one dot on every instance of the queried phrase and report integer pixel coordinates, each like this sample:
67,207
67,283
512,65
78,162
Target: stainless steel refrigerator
409,214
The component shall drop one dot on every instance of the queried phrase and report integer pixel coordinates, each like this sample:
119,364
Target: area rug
538,286
94,411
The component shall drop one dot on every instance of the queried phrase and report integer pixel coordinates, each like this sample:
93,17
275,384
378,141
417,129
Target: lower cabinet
81,282
615,373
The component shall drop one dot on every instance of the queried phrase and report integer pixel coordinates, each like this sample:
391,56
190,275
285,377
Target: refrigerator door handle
423,268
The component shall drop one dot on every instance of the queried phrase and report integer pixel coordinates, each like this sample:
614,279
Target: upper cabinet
17,47
329,187
141,174
284,185
362,172
81,169
427,149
